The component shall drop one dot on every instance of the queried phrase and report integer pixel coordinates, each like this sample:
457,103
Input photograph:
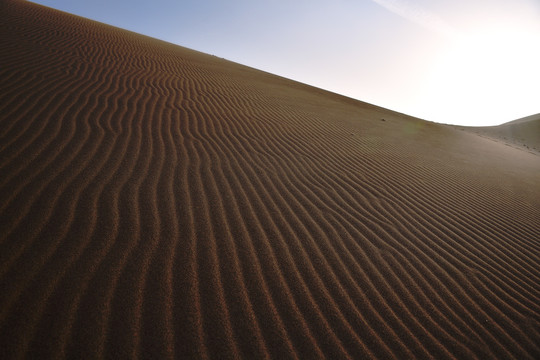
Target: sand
157,202
522,133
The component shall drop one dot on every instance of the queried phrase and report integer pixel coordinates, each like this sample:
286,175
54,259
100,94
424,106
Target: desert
158,202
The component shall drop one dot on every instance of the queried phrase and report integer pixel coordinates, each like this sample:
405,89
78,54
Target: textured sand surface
157,202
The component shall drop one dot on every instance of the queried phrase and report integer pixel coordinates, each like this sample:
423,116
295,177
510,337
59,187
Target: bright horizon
466,62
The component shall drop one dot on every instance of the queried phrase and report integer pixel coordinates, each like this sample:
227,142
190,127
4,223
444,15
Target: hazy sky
473,62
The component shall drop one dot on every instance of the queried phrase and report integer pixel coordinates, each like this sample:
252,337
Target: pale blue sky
473,62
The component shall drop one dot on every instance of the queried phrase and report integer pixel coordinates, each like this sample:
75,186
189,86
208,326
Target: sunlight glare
485,77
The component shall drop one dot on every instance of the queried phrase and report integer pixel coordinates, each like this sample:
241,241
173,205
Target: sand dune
157,202
522,133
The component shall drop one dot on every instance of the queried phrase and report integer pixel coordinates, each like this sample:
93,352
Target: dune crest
157,202
522,133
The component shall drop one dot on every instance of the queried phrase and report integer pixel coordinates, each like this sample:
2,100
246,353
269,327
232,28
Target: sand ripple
157,202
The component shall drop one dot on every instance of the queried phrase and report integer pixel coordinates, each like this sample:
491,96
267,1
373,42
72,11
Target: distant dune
157,202
522,133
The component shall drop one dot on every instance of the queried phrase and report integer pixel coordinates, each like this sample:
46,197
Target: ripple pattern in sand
159,202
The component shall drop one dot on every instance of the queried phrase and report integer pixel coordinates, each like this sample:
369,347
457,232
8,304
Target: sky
466,62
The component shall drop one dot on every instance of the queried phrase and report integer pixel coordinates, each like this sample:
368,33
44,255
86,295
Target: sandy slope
522,133
156,202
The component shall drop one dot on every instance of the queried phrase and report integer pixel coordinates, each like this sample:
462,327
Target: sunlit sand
157,202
